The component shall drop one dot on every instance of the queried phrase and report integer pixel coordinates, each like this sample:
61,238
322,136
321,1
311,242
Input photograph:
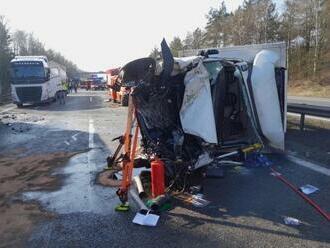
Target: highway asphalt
247,206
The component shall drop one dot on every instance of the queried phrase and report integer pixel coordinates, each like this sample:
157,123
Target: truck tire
124,100
19,105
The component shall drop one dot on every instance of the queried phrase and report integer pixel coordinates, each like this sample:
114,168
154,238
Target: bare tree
20,43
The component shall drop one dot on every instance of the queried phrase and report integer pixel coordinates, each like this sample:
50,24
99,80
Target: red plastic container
157,178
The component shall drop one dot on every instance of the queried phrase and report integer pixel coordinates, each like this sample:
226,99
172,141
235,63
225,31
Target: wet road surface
247,206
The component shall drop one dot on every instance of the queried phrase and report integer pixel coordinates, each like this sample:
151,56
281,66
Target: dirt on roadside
19,174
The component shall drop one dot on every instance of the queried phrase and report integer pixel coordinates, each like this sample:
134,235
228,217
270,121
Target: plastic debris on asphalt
257,160
145,218
308,189
275,174
242,170
292,221
199,201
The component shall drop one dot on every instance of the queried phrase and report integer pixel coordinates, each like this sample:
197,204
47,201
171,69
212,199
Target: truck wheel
124,100
19,105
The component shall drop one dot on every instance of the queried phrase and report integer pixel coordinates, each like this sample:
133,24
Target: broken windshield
213,68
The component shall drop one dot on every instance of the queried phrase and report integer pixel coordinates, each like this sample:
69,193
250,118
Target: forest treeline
22,43
303,24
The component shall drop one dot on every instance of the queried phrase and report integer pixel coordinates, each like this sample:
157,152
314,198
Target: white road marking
310,117
7,109
90,99
67,143
309,165
91,131
74,137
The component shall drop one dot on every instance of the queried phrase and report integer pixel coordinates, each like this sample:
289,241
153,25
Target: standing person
75,86
66,87
61,96
70,86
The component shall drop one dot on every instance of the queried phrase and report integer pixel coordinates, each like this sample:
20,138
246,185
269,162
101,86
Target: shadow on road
251,200
312,143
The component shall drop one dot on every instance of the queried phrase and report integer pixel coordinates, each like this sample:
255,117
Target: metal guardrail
306,109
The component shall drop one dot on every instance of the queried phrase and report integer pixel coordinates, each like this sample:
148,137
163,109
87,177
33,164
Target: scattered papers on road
199,201
145,218
292,221
308,189
275,174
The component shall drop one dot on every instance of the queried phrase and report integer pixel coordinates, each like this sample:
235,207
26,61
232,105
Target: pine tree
5,57
176,45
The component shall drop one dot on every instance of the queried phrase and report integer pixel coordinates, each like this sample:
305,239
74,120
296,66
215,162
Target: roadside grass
309,88
317,87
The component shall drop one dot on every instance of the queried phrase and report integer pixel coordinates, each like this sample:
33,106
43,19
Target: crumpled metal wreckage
192,111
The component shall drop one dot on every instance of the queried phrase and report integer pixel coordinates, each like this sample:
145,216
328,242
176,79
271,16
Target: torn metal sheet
196,110
196,113
203,159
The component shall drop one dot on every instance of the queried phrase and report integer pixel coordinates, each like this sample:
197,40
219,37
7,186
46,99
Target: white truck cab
34,80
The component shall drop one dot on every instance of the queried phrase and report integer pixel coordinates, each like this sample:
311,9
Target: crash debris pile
19,122
194,114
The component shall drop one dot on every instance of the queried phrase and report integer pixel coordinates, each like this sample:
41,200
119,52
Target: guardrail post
302,121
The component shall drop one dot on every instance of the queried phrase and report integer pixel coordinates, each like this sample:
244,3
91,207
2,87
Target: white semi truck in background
34,80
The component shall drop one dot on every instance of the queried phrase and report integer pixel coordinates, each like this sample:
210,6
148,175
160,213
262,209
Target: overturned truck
204,110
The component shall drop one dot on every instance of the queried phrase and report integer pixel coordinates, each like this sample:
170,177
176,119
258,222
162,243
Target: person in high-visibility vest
66,87
62,93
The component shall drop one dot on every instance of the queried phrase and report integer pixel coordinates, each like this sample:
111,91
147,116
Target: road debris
291,221
257,160
139,187
280,177
198,200
19,122
146,218
308,189
159,204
